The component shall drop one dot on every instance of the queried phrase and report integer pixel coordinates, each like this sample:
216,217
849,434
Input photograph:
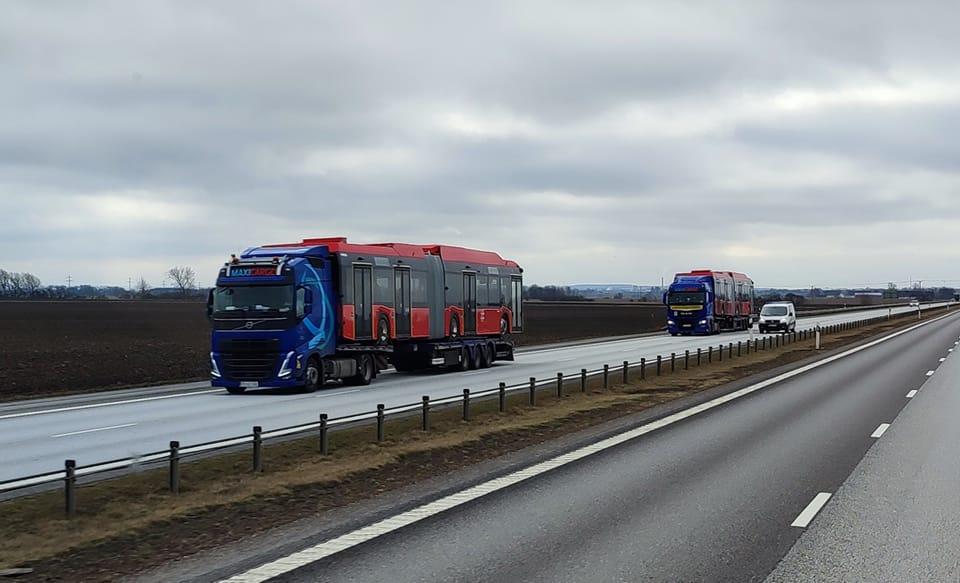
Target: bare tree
5,284
16,285
31,283
142,287
184,278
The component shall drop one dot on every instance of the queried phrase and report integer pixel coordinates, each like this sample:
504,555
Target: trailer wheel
464,362
474,358
313,375
487,355
364,371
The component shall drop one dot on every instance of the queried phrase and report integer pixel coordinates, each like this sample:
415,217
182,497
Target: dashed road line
912,394
806,517
880,430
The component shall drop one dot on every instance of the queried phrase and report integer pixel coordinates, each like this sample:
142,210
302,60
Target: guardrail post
659,364
324,440
626,372
174,482
643,369
559,385
380,428
673,362
606,376
503,396
739,348
257,449
70,487
699,352
425,413
466,404
583,380
720,353
709,354
730,350
686,360
533,391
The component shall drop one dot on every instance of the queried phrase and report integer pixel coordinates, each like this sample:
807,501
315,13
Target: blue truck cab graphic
272,310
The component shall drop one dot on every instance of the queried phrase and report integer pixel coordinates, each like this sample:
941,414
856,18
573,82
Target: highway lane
36,441
709,498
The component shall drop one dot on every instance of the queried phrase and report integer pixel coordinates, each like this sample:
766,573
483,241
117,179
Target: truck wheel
383,331
486,356
364,371
313,375
473,358
236,390
464,362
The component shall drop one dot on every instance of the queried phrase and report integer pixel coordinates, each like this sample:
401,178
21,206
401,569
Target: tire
383,332
455,327
313,375
236,390
365,371
486,356
473,356
464,363
763,330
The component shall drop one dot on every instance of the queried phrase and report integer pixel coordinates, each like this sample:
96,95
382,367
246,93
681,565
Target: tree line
18,285
27,285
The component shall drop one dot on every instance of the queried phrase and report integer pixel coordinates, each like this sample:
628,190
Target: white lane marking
930,373
108,404
942,359
880,430
93,430
912,394
372,531
804,518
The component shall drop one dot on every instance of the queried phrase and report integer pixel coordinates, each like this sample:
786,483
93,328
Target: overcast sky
804,143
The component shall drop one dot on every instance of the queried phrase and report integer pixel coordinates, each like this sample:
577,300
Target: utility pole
69,282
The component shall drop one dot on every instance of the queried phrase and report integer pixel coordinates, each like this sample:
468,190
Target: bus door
363,301
401,302
469,303
516,302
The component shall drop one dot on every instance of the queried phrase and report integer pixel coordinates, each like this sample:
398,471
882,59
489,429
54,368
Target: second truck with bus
708,302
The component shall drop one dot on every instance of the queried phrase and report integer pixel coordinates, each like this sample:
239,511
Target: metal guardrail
177,453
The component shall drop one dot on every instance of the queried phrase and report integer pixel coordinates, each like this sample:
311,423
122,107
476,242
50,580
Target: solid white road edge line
880,430
351,539
912,394
94,430
107,404
806,517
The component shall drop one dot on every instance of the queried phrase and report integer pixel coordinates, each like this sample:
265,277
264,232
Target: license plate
686,325
249,384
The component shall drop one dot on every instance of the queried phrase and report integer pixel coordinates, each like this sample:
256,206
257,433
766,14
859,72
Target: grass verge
132,523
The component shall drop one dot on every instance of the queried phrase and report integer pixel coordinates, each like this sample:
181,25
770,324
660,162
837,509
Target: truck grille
249,360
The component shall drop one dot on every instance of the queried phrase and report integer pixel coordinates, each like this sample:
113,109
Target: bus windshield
253,298
686,298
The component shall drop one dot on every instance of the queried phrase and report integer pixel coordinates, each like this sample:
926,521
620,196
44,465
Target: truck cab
690,308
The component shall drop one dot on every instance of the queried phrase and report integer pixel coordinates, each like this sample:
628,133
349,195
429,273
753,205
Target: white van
778,316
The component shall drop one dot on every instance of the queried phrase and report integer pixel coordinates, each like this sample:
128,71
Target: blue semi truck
301,314
708,302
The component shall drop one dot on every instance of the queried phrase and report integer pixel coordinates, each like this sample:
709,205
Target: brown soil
54,348
131,523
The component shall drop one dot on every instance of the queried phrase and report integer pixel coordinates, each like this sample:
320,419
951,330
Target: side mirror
304,301
210,304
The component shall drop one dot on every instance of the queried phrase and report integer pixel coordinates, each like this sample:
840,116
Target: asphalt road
37,436
713,497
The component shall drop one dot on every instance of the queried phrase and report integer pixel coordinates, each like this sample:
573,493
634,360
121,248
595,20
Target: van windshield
774,311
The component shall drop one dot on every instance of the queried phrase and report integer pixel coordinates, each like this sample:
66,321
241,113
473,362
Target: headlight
286,369
670,322
214,369
703,322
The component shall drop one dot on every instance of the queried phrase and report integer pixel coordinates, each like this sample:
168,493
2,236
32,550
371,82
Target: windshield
253,298
774,311
685,298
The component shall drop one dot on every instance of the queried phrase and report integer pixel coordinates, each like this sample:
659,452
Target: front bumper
220,376
688,328
773,325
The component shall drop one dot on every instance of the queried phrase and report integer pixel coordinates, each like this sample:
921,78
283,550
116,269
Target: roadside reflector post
503,397
380,428
643,369
425,413
817,332
583,380
70,487
257,449
626,372
533,391
559,385
673,362
174,467
466,404
686,360
659,364
606,376
324,440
